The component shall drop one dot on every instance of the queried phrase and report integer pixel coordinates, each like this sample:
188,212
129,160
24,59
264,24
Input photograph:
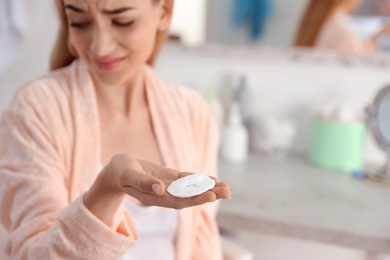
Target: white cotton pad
191,185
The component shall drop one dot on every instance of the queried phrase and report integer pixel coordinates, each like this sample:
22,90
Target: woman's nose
103,43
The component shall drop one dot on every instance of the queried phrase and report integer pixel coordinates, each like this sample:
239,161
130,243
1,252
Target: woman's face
114,37
351,5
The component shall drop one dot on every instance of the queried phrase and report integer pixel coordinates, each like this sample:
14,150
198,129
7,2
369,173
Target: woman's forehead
104,4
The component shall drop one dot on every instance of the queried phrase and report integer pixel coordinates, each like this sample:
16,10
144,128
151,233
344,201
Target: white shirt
157,229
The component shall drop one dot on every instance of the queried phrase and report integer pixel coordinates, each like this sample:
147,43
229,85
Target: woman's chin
122,73
108,78
113,77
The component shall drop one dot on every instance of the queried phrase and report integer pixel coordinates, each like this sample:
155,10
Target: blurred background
290,84
277,22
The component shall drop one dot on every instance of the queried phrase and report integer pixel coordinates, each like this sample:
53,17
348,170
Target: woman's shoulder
334,31
50,90
53,83
340,38
46,94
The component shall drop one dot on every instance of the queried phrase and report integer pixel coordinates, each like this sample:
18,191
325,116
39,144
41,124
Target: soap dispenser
234,145
215,107
242,96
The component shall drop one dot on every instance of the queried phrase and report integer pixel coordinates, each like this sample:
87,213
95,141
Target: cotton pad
191,185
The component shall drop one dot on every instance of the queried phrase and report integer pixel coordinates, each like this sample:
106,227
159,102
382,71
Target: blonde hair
62,54
316,15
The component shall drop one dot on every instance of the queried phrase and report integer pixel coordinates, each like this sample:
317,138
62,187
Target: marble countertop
290,197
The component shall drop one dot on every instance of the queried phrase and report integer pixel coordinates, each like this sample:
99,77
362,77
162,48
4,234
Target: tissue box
336,145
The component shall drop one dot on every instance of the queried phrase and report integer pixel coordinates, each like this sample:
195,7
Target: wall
283,88
189,21
290,89
33,58
280,30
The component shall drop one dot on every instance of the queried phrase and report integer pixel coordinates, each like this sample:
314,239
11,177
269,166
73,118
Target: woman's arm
34,194
34,197
338,35
384,31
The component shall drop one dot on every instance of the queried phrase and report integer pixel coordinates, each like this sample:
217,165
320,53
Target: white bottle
215,107
242,96
234,146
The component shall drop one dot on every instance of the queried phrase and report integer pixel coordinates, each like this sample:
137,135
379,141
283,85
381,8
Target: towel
253,12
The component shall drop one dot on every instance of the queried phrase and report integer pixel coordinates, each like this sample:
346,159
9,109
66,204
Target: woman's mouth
108,64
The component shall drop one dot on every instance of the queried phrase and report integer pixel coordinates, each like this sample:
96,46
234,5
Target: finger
151,168
214,179
208,196
222,185
222,192
142,197
143,182
184,174
168,201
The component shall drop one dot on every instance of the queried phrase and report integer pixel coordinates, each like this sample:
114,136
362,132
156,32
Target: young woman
325,25
85,150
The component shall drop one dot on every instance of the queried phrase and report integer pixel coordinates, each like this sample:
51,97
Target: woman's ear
166,13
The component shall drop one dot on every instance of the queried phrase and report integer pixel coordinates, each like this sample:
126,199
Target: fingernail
156,188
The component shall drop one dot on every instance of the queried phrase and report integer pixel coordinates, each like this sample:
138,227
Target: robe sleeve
34,197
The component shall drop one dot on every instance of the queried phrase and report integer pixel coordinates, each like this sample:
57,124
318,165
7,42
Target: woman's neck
123,99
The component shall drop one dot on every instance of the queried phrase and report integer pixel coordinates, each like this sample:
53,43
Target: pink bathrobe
337,34
49,156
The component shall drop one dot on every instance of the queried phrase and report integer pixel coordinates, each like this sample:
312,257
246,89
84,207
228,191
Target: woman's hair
62,54
316,15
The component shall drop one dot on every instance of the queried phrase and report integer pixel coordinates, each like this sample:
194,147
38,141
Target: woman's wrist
375,38
381,33
103,200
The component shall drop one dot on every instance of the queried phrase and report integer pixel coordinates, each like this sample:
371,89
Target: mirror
361,26
384,117
378,119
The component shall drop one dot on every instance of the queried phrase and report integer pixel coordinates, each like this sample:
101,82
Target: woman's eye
122,24
81,25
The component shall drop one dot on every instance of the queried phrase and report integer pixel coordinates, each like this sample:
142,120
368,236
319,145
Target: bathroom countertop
292,198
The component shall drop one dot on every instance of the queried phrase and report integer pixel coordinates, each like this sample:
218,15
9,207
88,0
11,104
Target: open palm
139,187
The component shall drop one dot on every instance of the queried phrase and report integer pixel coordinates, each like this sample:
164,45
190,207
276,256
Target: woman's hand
160,178
146,182
384,31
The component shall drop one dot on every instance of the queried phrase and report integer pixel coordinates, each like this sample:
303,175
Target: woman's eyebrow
117,11
75,8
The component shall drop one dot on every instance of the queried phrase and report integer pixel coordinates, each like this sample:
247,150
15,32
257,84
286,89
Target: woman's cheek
138,43
80,43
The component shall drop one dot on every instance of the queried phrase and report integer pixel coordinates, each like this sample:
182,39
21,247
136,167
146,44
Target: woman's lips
108,64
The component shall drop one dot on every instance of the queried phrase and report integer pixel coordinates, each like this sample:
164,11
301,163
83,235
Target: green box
336,145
